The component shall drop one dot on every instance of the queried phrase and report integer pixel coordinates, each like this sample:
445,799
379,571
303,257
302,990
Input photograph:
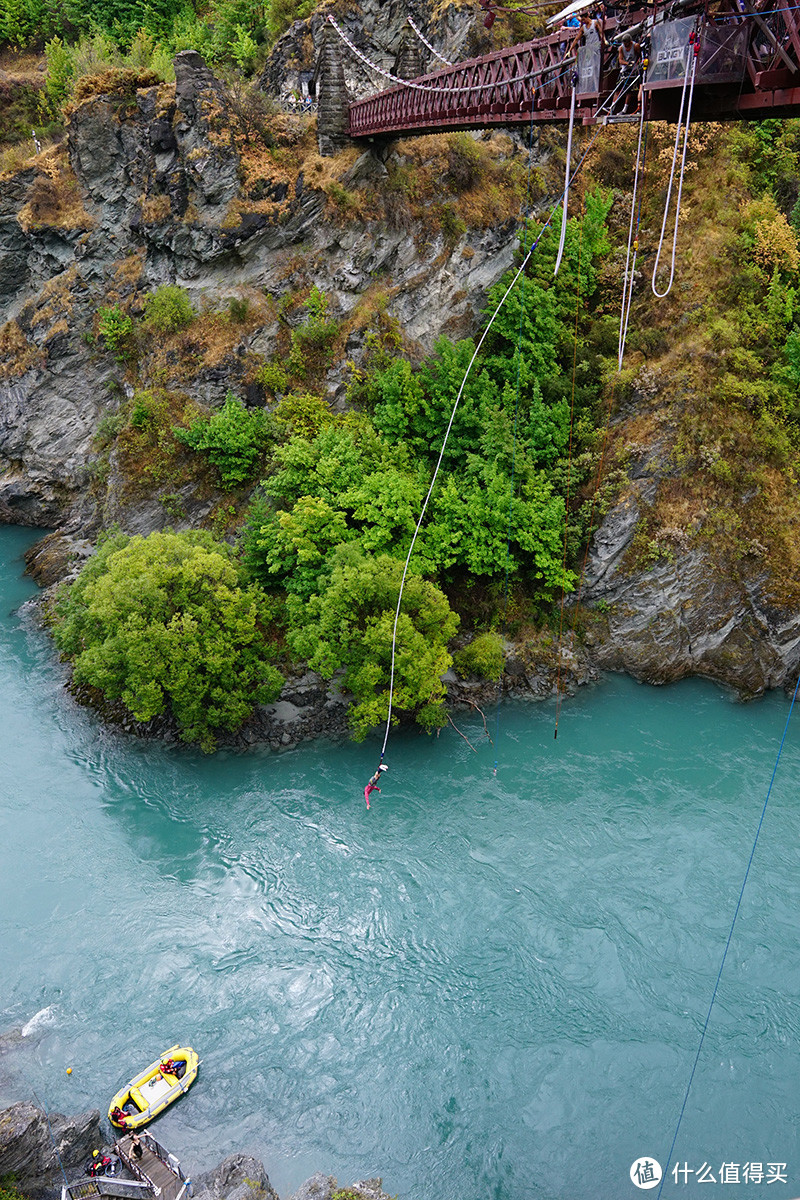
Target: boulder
238,1177
33,1156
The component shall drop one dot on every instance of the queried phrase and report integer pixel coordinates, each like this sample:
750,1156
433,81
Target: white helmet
383,767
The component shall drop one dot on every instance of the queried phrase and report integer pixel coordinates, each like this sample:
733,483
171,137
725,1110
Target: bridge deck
748,67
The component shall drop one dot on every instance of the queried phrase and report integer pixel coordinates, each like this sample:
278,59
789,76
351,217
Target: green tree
168,309
164,624
349,625
233,439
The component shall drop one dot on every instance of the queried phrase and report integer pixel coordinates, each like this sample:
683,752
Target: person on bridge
629,58
136,1145
589,29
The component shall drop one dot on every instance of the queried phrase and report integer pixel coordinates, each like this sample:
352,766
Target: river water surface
486,987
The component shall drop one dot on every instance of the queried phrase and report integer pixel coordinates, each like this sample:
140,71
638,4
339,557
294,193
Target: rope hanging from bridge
565,204
425,42
426,501
627,287
447,91
688,79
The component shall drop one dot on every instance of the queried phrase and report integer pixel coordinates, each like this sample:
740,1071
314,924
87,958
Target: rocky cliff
175,184
37,1151
159,185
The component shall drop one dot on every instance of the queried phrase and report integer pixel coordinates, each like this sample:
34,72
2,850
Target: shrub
233,439
349,624
238,309
453,227
273,378
164,624
168,309
484,656
465,162
115,328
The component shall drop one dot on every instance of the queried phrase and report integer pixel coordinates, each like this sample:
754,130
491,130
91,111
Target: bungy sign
669,50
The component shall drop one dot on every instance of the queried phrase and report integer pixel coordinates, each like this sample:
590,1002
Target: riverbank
40,1150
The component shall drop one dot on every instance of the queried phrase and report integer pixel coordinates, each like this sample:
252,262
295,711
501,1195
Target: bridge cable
688,79
730,937
456,403
565,203
516,423
425,42
421,87
633,242
569,477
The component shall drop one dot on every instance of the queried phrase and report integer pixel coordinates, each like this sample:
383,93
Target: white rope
425,42
494,85
482,339
694,47
627,287
565,205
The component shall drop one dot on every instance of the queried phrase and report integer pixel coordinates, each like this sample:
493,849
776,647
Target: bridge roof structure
748,67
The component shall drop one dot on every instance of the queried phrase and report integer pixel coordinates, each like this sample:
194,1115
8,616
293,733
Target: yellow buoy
69,1070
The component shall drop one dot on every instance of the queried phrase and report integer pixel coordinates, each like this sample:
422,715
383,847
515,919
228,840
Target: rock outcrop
685,615
148,190
238,1177
33,1153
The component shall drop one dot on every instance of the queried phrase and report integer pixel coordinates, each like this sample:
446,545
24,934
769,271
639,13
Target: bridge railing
748,64
498,88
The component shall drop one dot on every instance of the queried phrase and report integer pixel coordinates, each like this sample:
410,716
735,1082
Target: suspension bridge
747,66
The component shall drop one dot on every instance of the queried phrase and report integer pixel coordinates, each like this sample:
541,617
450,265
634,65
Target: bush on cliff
233,440
349,623
165,624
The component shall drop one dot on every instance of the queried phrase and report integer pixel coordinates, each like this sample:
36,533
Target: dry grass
54,199
17,353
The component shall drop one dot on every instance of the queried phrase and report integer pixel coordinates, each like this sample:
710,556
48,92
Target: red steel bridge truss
748,67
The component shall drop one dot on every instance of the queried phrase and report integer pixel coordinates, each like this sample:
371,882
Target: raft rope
730,937
475,354
50,1131
688,80
425,42
565,203
569,483
633,242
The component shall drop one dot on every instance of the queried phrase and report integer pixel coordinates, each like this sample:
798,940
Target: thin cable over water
730,937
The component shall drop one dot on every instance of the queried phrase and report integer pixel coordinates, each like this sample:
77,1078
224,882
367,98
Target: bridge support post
408,64
333,98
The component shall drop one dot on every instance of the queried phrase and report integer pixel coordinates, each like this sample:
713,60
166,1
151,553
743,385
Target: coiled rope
730,937
425,42
475,354
688,79
633,242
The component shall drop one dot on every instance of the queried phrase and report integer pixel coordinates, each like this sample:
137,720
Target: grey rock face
27,1150
323,1187
686,616
238,1177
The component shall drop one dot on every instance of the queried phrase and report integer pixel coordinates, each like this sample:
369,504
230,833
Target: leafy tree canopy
349,625
164,624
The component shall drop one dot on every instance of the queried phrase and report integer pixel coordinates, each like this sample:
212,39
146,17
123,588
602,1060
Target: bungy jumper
372,786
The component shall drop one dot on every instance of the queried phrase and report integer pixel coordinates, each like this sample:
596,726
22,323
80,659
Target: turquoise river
486,988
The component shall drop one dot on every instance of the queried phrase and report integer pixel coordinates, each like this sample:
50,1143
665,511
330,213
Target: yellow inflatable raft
154,1088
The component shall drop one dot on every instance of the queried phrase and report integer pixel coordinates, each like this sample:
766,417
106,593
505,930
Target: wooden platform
154,1167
